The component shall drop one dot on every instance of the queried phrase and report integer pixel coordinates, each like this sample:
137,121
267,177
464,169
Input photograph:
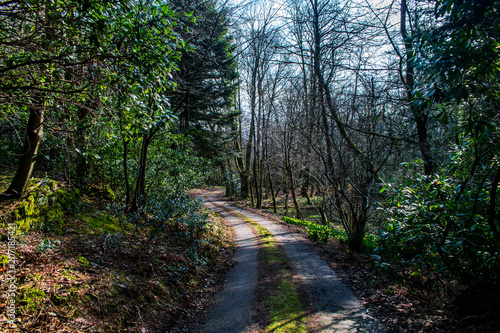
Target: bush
322,233
440,223
177,214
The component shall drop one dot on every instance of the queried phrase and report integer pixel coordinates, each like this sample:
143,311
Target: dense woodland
381,118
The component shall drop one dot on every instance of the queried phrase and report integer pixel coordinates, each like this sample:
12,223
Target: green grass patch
285,308
322,233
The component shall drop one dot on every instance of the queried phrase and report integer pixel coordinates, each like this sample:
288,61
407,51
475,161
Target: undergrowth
322,233
83,265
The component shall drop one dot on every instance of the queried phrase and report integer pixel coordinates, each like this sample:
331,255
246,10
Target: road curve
337,309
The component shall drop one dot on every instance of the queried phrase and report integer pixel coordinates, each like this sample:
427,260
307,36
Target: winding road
336,307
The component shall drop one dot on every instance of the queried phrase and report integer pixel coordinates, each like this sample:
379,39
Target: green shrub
319,232
322,233
440,223
178,214
370,243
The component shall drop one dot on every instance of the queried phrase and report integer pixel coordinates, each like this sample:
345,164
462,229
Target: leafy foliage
322,233
448,222
177,214
460,54
440,223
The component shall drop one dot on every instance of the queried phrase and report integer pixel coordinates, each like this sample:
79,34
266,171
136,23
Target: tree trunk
141,175
125,172
245,186
417,112
286,202
252,197
272,189
291,181
241,166
81,145
228,179
304,190
355,241
34,134
251,133
492,211
298,212
258,193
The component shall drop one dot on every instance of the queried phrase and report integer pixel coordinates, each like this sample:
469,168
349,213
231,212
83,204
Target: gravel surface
232,311
336,307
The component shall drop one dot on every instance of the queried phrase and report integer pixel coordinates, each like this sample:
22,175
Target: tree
43,58
444,220
259,52
207,77
58,55
463,69
326,35
419,112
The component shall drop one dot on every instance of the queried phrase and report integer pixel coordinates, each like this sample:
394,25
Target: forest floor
81,267
400,301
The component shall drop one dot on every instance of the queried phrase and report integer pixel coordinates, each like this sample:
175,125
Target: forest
373,124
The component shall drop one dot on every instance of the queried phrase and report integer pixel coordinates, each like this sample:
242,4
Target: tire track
232,311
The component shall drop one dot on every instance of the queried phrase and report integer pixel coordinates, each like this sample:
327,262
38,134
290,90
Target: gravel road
337,309
232,311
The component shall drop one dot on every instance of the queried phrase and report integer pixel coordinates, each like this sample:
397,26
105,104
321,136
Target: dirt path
336,307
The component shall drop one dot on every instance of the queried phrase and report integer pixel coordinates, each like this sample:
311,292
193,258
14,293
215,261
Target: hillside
80,266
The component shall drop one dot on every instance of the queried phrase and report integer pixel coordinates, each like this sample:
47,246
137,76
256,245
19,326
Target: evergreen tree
207,77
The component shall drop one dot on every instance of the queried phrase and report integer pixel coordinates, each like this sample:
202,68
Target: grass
322,233
285,311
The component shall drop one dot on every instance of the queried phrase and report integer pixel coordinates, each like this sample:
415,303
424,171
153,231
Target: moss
45,207
100,223
285,310
67,199
267,239
25,214
32,297
275,259
83,261
103,192
54,219
4,260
